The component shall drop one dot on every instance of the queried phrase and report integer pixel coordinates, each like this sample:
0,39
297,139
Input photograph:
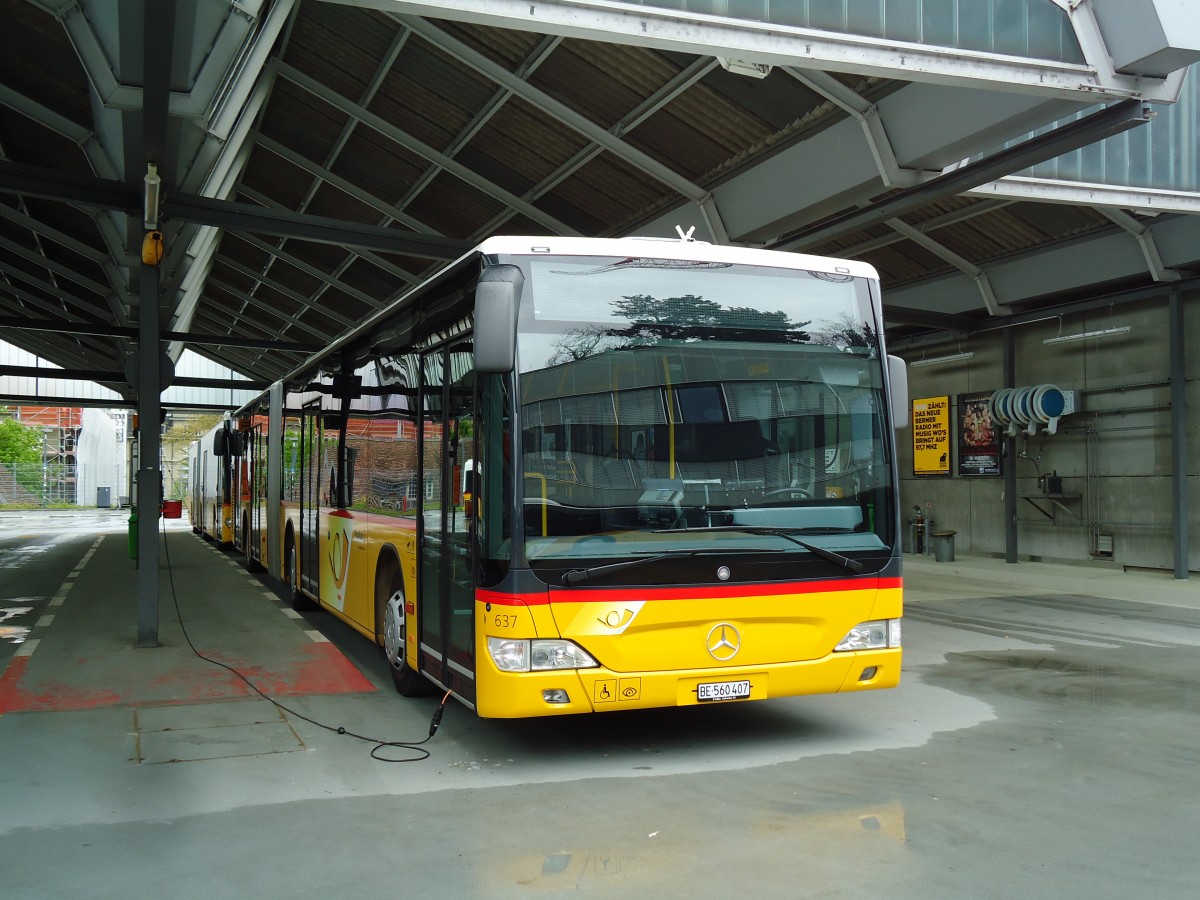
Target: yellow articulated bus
571,475
212,492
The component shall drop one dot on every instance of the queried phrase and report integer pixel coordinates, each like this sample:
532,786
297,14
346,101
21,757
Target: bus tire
291,576
248,560
389,610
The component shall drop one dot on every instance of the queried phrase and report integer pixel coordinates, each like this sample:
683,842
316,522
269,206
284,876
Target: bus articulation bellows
570,475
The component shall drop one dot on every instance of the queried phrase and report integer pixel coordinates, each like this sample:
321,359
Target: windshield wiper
575,576
788,534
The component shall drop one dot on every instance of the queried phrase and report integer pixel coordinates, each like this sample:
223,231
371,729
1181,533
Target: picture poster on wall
978,436
931,436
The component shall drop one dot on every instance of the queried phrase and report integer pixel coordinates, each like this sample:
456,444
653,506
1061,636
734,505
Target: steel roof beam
105,194
53,268
386,62
333,279
558,110
65,299
360,252
901,315
262,305
481,118
74,354
312,271
305,302
88,252
1089,193
118,296
191,337
420,148
1143,234
965,327
243,360
781,45
105,376
867,115
961,263
83,137
683,80
324,175
305,227
983,207
1066,268
1112,120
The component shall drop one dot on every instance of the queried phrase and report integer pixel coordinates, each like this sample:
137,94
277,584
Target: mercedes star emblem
723,642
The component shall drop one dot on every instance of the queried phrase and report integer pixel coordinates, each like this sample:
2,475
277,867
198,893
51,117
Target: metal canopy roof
318,157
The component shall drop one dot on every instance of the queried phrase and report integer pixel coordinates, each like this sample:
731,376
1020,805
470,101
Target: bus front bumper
573,691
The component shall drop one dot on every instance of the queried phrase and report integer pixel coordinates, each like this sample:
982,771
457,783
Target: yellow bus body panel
350,545
656,653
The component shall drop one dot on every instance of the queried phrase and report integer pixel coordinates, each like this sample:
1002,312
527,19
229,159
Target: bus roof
670,248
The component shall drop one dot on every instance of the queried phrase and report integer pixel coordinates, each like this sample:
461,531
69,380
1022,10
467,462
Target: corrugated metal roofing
448,129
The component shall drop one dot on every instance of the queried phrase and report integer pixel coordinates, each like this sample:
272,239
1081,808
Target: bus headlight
537,655
874,635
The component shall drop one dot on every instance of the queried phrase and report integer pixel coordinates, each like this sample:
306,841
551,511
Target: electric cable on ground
414,746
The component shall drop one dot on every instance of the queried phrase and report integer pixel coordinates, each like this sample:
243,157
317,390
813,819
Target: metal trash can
943,545
133,535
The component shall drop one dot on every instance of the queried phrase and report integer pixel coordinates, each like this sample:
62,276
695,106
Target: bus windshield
669,408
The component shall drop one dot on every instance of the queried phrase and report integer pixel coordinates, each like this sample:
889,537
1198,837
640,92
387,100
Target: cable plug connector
437,719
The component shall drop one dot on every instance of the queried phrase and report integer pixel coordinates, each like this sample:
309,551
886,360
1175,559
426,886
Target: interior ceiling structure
318,158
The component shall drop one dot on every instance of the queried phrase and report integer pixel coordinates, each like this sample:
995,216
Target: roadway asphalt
1042,743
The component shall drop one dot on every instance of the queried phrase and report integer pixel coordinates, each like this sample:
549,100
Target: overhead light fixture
152,196
744,67
938,360
1087,335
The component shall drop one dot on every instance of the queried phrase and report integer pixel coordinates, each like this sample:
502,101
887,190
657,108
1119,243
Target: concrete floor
1042,744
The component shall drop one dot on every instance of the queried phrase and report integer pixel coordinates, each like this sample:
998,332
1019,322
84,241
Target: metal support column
1010,455
158,41
274,562
1179,481
149,475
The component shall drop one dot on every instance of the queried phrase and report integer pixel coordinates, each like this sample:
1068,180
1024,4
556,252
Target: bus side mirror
898,381
220,445
496,297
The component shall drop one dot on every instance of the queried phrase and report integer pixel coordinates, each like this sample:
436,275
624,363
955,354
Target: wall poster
931,436
978,436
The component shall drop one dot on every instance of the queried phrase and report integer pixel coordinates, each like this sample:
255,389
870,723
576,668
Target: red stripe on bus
616,595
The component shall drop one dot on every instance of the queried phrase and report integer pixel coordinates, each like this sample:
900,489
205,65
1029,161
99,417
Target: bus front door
445,579
310,497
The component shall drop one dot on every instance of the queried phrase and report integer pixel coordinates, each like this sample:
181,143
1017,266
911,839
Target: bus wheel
291,577
248,560
390,610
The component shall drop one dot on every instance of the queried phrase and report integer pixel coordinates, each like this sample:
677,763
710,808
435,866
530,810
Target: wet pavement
1042,744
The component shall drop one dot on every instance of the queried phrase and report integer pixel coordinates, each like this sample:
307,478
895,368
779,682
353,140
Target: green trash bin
133,534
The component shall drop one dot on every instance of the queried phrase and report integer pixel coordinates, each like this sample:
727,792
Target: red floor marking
51,696
316,669
8,682
322,669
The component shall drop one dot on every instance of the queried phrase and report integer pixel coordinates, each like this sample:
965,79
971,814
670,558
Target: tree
693,318
579,343
19,444
849,333
21,451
